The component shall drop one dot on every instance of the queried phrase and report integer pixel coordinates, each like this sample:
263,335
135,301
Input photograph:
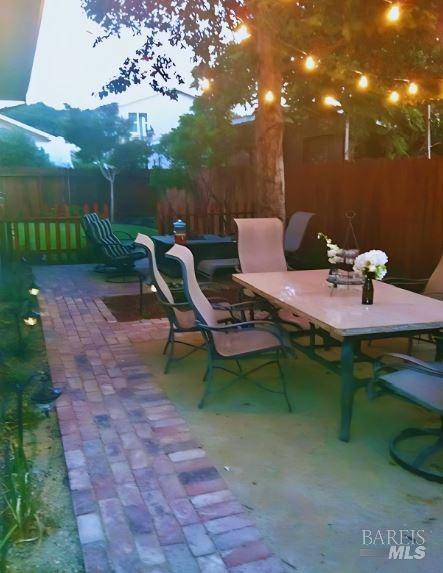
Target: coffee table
202,246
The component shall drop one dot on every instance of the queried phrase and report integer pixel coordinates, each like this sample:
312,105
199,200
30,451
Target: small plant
19,520
19,517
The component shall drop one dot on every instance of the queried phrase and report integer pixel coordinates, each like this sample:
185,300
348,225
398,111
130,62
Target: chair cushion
244,341
418,387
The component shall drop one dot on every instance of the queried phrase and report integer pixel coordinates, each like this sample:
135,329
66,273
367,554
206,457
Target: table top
196,239
340,310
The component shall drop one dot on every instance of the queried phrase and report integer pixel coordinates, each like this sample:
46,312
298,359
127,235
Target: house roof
27,128
152,96
19,28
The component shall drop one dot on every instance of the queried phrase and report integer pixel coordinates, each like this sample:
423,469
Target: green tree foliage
40,116
101,134
95,131
203,138
345,38
18,150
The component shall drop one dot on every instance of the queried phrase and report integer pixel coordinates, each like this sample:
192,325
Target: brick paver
145,495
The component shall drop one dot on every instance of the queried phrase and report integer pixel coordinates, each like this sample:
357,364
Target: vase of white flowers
371,265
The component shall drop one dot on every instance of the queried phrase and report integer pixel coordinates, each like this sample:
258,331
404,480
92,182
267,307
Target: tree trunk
269,129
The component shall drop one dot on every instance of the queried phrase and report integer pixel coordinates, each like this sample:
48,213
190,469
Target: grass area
68,236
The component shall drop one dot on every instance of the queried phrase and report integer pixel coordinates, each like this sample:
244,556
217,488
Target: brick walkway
145,495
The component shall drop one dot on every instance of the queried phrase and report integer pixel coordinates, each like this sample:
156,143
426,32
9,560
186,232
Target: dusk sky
67,69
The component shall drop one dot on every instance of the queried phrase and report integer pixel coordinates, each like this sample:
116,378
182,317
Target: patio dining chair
180,315
432,287
117,257
261,249
422,383
294,235
231,342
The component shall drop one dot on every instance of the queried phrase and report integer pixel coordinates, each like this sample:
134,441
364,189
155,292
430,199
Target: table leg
347,387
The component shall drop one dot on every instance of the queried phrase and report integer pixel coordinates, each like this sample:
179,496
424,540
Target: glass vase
368,289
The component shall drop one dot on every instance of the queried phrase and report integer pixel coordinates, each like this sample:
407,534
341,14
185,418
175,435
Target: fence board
398,205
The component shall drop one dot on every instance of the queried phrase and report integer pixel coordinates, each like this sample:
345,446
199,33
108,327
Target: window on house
133,125
143,122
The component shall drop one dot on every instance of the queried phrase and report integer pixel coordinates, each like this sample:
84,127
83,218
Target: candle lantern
180,232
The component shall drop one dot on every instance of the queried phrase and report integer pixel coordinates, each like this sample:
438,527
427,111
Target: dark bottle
368,290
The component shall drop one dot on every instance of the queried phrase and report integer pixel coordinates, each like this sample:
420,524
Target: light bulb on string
393,13
269,96
412,88
331,101
205,84
363,82
242,33
394,97
310,63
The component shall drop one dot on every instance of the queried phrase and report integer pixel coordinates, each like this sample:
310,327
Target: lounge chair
422,383
231,342
117,257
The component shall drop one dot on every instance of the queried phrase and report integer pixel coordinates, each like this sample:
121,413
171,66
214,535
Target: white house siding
162,113
58,150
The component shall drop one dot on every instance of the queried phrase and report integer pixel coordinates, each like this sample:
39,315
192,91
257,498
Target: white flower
372,262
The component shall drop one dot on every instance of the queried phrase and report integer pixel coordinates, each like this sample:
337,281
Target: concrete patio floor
309,494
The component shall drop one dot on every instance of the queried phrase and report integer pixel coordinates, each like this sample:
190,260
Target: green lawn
32,234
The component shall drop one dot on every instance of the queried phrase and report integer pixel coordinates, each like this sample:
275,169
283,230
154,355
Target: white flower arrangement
333,250
372,262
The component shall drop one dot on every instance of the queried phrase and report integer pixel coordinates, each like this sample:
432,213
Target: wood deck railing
56,235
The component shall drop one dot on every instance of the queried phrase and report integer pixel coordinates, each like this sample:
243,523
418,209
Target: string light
269,96
242,33
393,13
331,101
205,85
412,88
363,82
394,97
310,63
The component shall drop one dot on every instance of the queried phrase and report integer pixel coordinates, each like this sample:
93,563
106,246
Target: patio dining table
340,313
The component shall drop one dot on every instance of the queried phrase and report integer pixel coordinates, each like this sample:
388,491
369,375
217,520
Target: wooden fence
398,206
201,215
27,192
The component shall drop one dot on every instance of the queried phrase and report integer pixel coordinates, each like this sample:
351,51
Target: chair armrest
127,235
264,325
236,326
178,305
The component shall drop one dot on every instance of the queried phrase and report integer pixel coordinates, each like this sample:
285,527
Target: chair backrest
158,280
434,286
99,231
196,298
260,245
296,229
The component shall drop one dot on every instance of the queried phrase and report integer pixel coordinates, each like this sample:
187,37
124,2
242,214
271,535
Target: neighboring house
153,116
58,150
